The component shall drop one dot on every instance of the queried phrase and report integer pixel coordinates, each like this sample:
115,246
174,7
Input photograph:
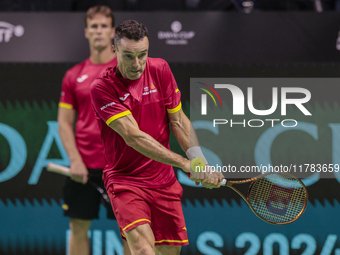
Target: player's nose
99,29
135,62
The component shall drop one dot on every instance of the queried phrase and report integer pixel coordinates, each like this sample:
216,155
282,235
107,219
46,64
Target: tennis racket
51,167
277,198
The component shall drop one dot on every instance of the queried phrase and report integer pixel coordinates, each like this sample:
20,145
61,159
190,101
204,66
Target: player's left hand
79,172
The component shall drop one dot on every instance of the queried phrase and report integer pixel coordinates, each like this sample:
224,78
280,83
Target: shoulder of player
104,80
73,72
156,64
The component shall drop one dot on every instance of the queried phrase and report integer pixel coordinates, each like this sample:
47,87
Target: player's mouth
135,71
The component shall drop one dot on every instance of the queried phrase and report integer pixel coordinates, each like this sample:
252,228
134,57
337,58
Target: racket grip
224,182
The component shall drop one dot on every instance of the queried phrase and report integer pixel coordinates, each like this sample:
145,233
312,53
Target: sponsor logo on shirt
82,78
152,90
176,37
149,91
112,103
125,97
7,30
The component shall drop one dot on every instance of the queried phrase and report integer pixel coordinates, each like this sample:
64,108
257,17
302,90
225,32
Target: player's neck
101,57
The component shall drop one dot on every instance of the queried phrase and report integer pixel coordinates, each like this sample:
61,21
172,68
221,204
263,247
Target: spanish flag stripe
117,116
65,105
176,109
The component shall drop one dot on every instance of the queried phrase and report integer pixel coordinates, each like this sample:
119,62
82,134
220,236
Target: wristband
195,152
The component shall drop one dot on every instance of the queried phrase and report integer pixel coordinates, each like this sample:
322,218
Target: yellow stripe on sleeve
135,223
117,116
176,90
64,105
176,109
172,241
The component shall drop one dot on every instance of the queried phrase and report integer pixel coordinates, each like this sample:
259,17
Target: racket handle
224,182
51,167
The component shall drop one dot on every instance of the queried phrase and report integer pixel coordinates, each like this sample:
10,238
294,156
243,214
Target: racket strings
278,198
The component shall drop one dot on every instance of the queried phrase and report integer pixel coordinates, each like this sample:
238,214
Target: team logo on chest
148,91
82,78
124,97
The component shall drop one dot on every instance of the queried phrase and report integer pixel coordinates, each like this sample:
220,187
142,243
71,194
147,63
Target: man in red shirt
84,146
134,103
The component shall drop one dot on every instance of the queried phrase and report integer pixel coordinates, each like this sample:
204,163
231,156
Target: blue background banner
214,229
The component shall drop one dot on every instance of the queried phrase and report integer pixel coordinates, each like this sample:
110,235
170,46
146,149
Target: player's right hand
79,171
213,180
209,179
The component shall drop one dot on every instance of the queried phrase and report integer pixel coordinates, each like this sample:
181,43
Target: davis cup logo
238,108
176,26
176,36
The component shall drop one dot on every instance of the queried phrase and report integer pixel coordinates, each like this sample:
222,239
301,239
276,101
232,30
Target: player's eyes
129,56
142,55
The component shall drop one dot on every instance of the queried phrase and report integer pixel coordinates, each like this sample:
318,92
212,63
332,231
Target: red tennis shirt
148,99
76,95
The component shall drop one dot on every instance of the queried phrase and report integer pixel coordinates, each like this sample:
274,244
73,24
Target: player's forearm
151,148
67,137
184,132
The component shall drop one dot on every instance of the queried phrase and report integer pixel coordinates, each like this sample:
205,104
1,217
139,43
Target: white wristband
195,152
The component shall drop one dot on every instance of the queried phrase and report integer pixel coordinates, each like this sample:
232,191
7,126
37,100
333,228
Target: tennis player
134,103
84,146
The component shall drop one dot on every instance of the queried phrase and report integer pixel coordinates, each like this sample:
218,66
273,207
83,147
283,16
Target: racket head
277,198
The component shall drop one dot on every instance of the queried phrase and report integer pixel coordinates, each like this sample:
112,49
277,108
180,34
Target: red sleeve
172,95
67,97
106,103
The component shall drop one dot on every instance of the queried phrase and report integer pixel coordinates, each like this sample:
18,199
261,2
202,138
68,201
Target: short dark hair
130,29
103,9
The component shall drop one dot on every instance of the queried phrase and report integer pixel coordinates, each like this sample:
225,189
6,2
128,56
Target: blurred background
173,5
41,40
